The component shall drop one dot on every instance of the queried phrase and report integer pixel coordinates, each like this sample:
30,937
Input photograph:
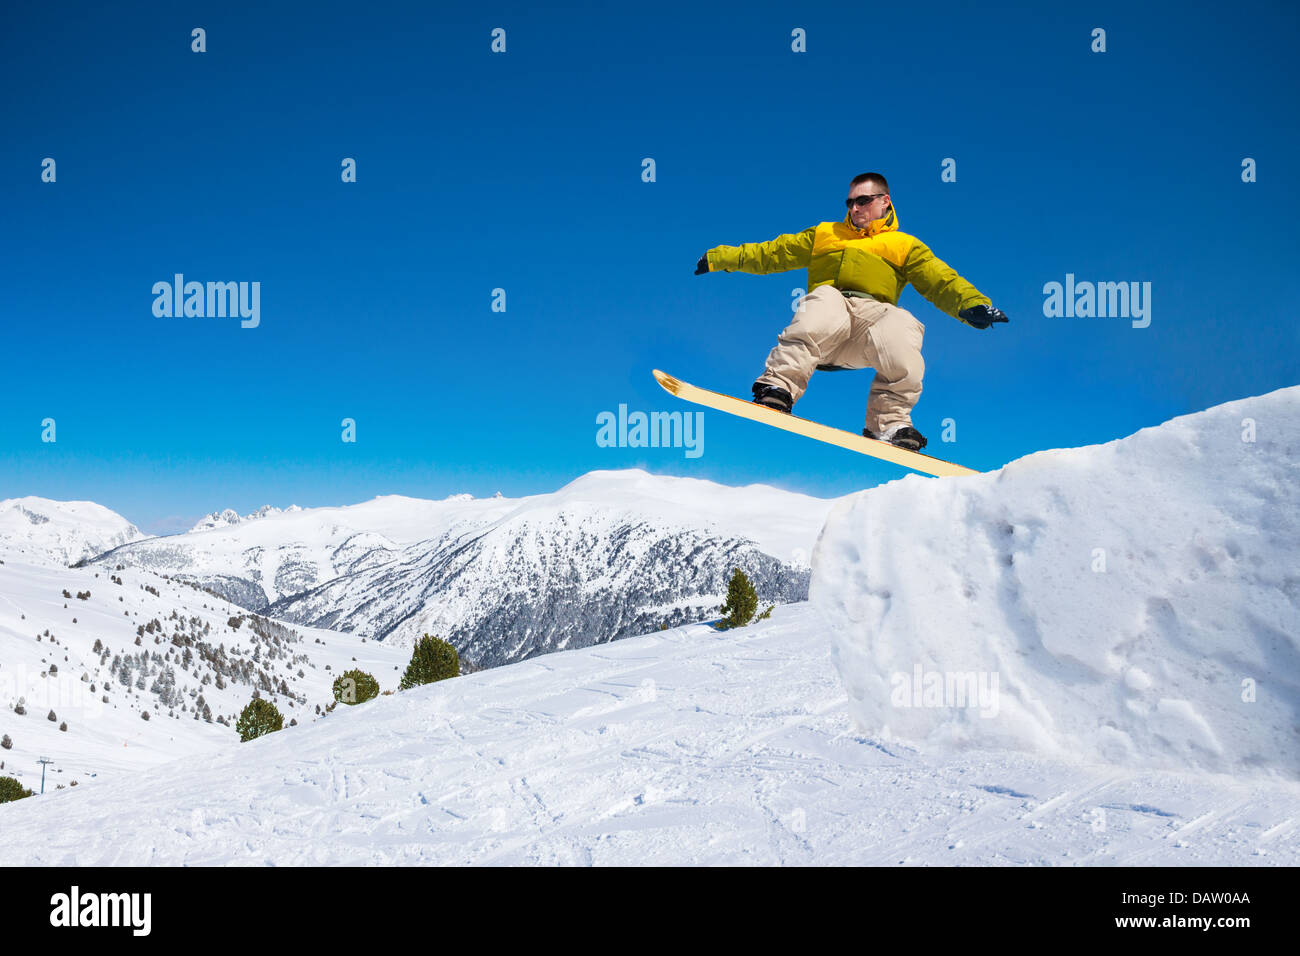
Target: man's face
876,209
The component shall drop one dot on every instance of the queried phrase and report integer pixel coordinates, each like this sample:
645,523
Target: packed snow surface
683,746
1136,602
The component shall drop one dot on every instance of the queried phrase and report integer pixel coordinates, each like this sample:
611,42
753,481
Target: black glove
982,316
702,266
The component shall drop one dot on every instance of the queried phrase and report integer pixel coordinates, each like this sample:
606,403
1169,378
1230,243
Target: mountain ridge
609,554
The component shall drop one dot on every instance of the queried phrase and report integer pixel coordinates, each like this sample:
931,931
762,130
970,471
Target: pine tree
742,601
11,789
355,687
258,718
433,659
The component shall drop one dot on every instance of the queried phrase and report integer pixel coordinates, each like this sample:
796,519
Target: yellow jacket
878,260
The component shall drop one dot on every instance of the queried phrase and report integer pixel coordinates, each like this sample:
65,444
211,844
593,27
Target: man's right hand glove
702,266
982,316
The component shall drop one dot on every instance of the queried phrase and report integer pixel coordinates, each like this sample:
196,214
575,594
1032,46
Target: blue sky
522,171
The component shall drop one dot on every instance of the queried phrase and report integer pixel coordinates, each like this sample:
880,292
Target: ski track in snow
683,746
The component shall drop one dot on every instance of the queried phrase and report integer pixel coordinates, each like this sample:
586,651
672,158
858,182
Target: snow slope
61,532
611,551
683,746
1136,602
78,658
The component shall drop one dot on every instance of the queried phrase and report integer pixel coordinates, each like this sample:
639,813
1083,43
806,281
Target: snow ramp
1134,603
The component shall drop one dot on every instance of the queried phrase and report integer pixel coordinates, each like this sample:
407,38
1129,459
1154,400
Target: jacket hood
886,223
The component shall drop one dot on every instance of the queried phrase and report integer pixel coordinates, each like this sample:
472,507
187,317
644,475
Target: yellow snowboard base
802,426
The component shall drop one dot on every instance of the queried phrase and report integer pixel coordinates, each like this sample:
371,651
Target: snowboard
809,429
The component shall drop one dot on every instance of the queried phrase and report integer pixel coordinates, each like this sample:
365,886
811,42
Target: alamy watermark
956,689
37,690
1120,300
651,430
102,909
199,300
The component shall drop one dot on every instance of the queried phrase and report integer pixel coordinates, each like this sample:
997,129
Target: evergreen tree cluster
432,660
11,789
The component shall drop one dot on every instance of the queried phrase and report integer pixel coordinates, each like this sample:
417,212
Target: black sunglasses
861,201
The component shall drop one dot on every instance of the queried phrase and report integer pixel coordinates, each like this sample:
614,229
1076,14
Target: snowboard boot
773,397
902,436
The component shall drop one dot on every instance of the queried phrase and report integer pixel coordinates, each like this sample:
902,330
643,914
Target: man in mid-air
850,317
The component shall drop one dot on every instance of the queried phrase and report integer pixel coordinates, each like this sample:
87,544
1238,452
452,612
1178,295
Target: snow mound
1135,603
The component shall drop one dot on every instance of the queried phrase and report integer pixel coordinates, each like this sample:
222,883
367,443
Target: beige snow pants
830,328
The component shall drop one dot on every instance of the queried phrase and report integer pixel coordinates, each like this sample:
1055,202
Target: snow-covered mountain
255,563
610,554
61,532
224,519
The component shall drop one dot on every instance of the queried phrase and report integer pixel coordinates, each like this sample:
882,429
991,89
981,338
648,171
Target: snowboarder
850,318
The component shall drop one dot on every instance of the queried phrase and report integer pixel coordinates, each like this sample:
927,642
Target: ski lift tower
43,761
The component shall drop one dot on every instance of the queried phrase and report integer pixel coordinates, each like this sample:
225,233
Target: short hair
870,178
